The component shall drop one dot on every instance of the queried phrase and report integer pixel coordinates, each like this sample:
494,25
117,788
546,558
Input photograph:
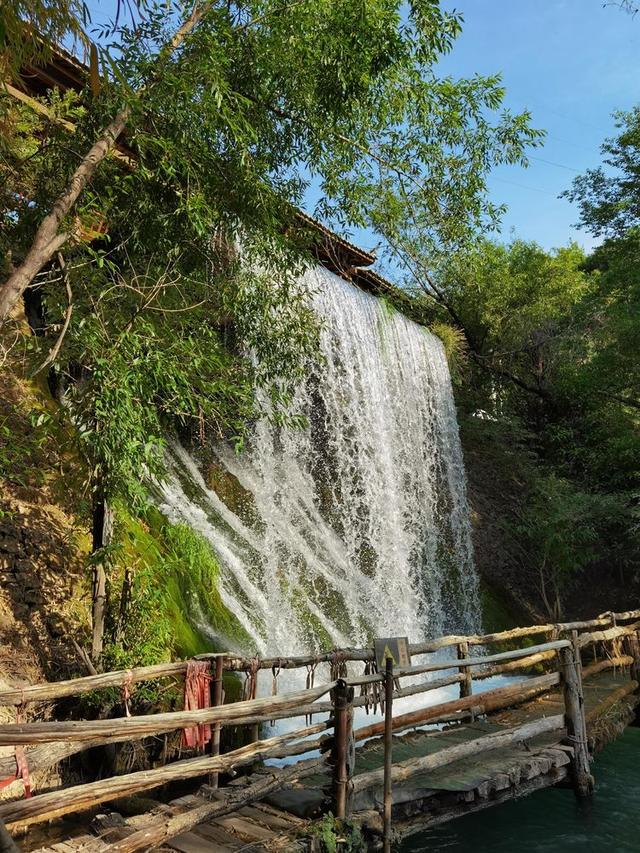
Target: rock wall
41,600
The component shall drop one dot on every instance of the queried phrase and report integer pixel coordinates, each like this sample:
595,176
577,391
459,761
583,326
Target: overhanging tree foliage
154,281
550,389
228,111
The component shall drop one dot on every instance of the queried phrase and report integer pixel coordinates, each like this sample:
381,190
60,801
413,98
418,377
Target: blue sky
571,63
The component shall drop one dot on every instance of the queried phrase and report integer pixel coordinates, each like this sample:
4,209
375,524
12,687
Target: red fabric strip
197,695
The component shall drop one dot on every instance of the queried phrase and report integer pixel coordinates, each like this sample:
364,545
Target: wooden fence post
633,648
342,697
570,670
466,686
216,700
388,754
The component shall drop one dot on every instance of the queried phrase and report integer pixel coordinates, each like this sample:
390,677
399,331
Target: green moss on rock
172,607
497,613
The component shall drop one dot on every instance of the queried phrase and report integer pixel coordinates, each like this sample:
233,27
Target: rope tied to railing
250,688
275,672
309,683
126,691
370,689
338,665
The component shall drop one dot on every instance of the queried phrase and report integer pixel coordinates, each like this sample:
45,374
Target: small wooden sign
397,648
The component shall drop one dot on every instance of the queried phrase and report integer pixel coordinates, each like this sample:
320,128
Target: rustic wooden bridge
567,694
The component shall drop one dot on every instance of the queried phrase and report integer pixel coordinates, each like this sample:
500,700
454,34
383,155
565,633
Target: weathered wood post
216,700
633,649
466,685
342,697
388,754
577,656
571,672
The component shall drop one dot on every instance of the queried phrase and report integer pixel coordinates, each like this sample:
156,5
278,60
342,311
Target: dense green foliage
227,132
334,834
550,385
609,196
163,588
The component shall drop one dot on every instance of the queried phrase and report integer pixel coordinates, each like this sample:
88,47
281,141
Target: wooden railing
560,652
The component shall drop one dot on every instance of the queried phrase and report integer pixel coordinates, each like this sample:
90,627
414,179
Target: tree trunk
575,720
47,240
102,536
125,600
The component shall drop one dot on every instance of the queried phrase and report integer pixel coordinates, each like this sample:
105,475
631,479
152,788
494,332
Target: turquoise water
553,821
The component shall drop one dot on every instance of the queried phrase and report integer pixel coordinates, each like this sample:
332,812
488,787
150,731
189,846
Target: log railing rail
560,652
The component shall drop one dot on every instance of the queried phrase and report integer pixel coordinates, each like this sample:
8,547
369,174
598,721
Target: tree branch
47,240
55,349
620,398
428,285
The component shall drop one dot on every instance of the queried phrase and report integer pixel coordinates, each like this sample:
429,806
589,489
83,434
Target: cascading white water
357,525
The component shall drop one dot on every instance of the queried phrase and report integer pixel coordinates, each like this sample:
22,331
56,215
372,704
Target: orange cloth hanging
197,695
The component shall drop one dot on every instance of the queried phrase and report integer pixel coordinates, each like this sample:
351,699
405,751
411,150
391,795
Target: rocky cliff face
41,602
43,546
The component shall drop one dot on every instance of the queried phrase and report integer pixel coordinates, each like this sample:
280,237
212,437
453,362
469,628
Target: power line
551,163
524,186
573,144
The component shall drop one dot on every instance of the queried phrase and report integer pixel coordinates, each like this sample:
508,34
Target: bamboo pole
76,686
439,666
216,701
602,707
511,666
57,803
46,756
466,685
388,755
342,696
605,636
497,740
607,663
621,617
82,730
575,721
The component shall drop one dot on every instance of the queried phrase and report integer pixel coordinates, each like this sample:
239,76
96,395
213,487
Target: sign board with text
396,648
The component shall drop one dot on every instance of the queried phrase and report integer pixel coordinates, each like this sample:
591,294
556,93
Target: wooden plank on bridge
513,751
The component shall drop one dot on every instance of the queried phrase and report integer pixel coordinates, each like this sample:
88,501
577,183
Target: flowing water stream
356,525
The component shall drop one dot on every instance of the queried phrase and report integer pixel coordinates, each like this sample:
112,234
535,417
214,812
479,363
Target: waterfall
357,525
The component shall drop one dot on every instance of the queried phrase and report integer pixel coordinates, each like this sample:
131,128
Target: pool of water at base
553,821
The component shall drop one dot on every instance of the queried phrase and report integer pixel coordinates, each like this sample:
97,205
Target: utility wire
524,186
551,163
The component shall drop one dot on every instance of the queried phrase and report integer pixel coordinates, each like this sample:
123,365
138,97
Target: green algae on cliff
164,588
